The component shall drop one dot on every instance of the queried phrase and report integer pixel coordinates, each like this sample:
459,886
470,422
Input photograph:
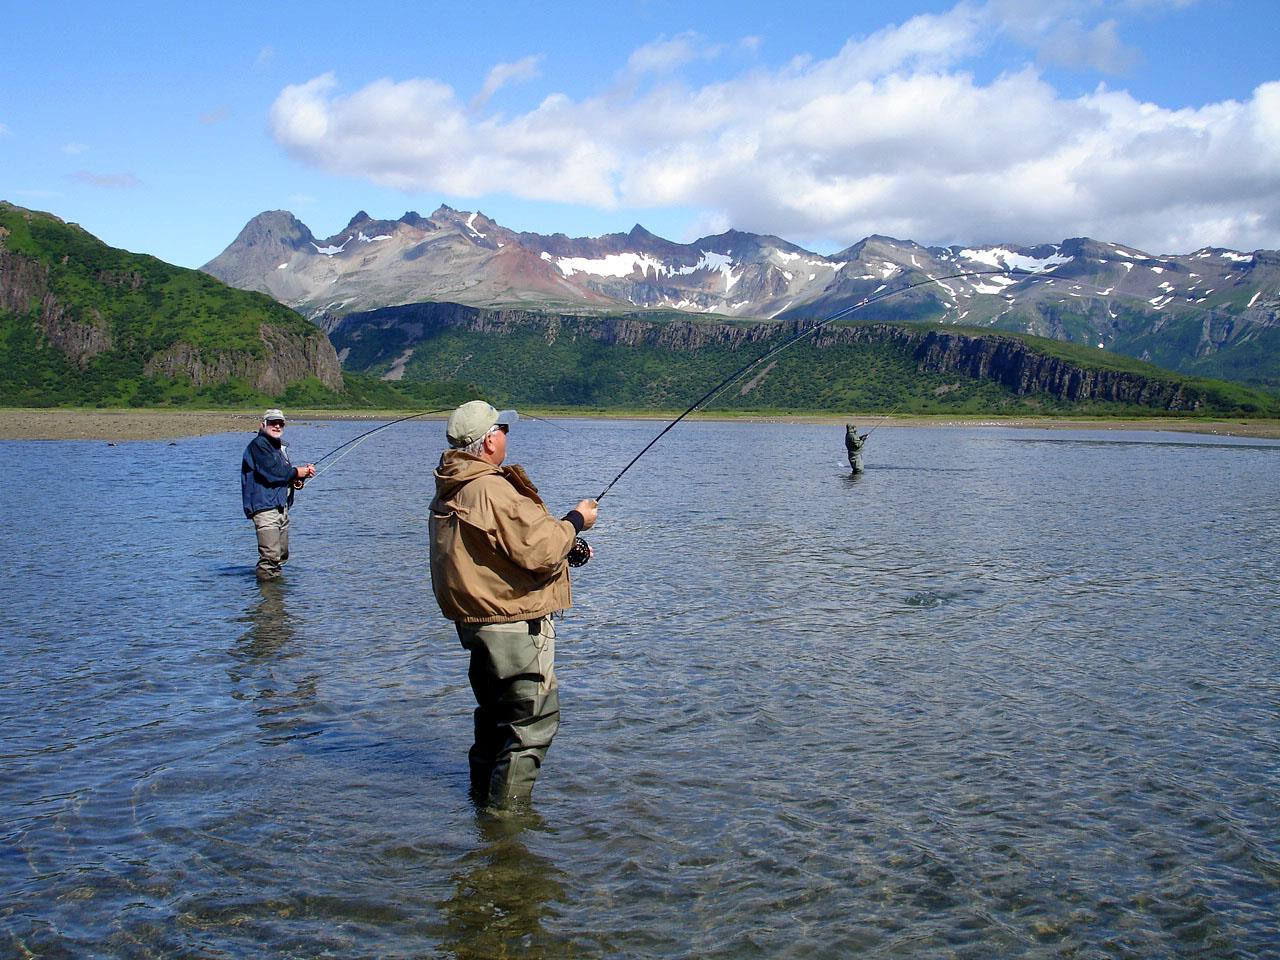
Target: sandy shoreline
124,425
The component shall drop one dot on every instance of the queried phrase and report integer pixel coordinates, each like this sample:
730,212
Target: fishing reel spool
580,554
298,483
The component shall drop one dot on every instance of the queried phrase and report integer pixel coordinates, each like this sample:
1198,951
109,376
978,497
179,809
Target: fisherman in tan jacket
500,570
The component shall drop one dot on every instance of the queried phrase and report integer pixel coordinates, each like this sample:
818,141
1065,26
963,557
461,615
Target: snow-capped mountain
1175,310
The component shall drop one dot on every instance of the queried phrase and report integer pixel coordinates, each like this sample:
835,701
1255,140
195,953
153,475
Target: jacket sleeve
272,470
529,535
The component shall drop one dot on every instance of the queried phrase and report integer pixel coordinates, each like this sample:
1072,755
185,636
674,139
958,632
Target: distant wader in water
853,444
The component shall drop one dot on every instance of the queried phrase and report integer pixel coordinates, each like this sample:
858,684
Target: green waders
512,674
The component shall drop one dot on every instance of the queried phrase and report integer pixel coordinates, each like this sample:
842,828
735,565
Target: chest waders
517,714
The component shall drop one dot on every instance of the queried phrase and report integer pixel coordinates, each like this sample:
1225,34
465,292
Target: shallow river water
1010,693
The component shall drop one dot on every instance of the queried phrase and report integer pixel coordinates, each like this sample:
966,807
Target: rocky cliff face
1010,361
121,317
1014,364
288,357
24,289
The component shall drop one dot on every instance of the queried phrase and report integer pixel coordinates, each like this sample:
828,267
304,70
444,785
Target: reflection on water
255,658
502,894
1006,693
270,627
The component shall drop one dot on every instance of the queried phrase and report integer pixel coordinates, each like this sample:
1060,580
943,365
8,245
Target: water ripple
1003,695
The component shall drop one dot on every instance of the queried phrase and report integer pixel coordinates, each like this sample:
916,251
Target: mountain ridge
1212,312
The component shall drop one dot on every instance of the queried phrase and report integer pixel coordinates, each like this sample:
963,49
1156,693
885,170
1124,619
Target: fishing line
350,445
354,442
865,302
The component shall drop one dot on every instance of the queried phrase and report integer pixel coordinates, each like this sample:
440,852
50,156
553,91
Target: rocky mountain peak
1104,294
275,228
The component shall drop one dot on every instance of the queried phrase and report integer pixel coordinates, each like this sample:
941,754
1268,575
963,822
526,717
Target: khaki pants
272,527
512,674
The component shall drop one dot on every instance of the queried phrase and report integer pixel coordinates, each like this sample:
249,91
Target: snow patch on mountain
330,250
1000,257
613,265
994,284
625,264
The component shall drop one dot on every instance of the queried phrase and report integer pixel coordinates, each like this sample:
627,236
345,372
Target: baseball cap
273,414
473,420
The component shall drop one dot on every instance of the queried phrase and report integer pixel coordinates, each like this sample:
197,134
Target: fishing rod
883,421
350,445
354,442
742,371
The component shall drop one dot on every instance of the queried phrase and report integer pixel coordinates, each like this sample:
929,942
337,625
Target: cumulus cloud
890,135
108,181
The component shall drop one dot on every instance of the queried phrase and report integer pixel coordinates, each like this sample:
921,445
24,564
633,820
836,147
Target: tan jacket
497,554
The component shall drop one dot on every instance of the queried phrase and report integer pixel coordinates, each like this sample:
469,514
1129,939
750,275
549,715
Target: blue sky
1154,123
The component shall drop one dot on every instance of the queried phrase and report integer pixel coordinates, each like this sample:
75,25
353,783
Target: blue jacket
265,475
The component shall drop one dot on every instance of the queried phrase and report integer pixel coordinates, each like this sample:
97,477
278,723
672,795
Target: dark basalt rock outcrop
1010,361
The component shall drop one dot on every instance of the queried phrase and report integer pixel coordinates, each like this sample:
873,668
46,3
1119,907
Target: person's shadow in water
281,700
270,628
502,893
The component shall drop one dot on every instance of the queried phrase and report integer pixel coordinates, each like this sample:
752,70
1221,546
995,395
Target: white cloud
4,131
503,74
1074,44
667,55
216,115
75,149
890,135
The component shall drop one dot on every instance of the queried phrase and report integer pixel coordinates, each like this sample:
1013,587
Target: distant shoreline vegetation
130,424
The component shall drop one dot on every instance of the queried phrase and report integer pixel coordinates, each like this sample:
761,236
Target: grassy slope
147,305
522,367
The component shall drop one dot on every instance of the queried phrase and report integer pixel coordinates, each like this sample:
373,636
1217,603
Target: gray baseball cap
273,414
473,420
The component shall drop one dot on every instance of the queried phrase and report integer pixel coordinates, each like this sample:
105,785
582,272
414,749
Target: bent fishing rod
349,445
796,338
354,442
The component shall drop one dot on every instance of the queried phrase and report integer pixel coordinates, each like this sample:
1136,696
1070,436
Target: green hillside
530,358
81,321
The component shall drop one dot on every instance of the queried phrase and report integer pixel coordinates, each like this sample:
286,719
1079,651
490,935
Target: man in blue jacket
267,482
